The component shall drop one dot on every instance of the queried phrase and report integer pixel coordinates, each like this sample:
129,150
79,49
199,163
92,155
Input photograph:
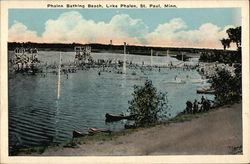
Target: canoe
199,81
205,90
117,117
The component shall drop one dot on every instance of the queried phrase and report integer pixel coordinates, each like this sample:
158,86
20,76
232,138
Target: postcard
124,82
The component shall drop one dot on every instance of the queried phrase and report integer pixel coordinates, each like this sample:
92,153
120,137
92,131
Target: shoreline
184,134
209,69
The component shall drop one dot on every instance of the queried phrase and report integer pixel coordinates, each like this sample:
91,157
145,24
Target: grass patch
31,150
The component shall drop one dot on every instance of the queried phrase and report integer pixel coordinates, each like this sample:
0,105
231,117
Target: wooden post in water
151,58
124,50
59,78
124,59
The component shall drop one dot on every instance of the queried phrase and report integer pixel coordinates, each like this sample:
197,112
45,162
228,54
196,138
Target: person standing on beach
189,106
202,104
195,109
202,99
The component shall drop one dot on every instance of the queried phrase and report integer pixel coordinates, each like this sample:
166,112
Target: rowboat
81,133
199,81
205,90
117,117
90,132
96,130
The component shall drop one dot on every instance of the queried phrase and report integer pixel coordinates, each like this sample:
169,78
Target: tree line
226,56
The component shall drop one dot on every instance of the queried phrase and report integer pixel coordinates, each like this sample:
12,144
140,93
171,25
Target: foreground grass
105,137
77,141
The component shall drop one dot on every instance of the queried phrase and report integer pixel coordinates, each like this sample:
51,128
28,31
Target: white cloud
173,25
173,33
73,27
19,32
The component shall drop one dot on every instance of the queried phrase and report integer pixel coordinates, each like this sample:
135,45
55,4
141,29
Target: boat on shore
77,133
90,132
96,130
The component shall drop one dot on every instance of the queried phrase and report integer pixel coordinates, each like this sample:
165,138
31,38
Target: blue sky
35,19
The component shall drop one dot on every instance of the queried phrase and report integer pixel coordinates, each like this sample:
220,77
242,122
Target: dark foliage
225,43
222,57
96,47
227,87
147,105
234,35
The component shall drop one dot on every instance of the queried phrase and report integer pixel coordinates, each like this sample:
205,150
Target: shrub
147,105
227,87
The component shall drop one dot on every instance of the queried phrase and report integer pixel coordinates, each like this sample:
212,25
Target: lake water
37,117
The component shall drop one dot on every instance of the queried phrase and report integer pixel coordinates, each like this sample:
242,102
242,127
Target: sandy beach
216,132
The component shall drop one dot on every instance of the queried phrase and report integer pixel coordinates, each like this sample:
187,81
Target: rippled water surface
36,117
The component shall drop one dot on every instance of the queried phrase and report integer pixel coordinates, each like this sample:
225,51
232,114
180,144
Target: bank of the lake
218,131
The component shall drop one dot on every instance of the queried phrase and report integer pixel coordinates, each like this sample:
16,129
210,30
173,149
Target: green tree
147,105
234,35
225,43
227,87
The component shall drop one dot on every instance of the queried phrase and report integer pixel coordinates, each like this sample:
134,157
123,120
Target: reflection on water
36,117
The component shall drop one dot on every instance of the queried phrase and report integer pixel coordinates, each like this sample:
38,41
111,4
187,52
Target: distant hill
130,49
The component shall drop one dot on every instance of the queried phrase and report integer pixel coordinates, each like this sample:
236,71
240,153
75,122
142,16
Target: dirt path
216,132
